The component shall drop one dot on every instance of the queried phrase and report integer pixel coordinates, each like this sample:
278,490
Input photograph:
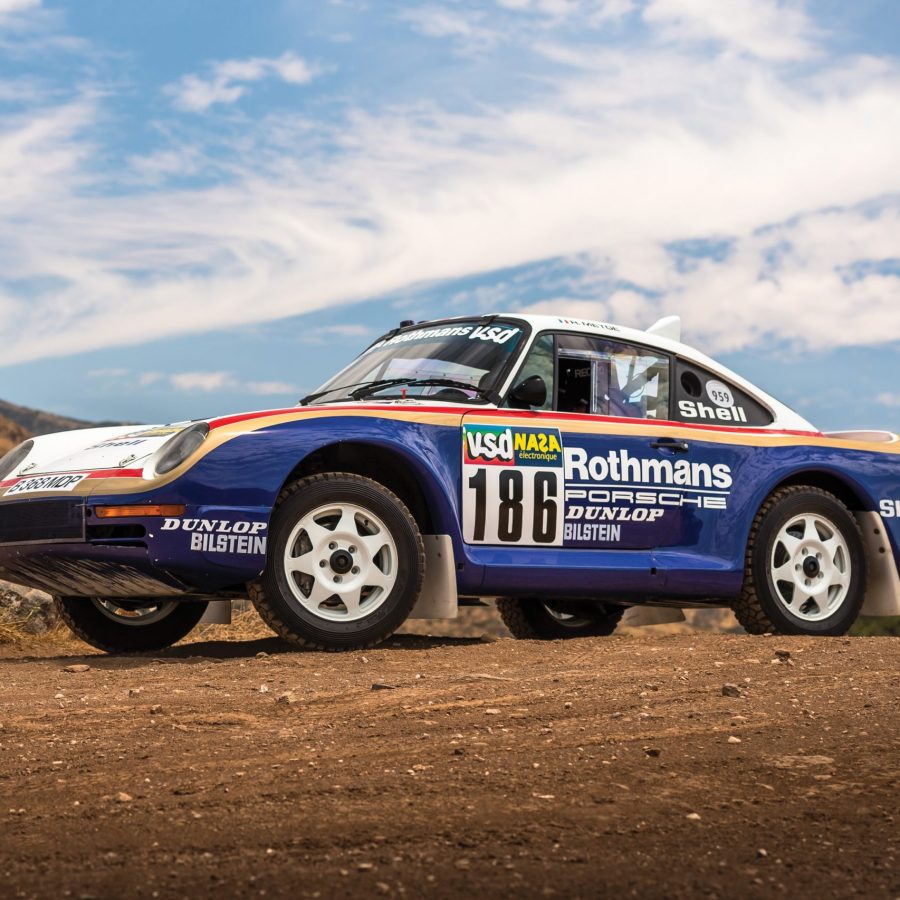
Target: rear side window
705,398
611,378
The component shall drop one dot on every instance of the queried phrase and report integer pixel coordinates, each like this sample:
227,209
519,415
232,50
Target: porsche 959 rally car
573,469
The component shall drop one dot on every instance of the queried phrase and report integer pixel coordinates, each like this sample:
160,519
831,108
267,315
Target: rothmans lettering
620,466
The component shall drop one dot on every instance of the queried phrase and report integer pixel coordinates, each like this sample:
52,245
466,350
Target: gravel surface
661,766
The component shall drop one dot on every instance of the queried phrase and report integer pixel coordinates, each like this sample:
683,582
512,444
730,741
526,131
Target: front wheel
129,626
533,619
805,568
345,565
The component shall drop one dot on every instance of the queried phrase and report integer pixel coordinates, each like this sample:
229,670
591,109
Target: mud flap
218,612
883,588
438,599
651,615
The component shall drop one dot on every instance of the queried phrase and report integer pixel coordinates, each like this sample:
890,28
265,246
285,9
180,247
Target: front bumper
58,545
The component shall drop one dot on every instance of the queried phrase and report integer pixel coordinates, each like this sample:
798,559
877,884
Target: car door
586,470
601,466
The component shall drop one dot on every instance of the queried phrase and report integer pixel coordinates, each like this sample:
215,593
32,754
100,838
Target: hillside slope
11,433
36,421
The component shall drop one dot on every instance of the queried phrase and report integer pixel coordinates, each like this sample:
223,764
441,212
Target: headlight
12,460
176,450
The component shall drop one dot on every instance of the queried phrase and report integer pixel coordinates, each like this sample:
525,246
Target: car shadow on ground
222,650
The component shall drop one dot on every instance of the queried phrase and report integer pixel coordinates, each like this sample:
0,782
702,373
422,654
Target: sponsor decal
609,513
890,509
621,466
719,393
605,534
522,486
691,409
497,445
221,535
47,483
512,482
584,323
638,513
117,443
162,431
662,498
497,334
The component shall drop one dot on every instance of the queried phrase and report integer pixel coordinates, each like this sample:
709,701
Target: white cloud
624,153
201,381
350,331
890,400
113,374
228,80
789,283
442,22
270,388
770,29
10,8
209,382
589,12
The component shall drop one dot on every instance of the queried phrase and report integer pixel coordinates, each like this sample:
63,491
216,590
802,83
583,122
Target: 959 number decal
512,486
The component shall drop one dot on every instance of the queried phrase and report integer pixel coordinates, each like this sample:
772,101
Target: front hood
94,449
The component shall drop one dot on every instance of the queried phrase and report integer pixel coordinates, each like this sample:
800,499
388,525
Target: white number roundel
719,393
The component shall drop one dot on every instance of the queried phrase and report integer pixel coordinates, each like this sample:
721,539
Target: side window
609,378
539,361
703,397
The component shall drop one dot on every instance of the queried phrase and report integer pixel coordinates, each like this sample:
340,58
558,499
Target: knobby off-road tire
533,619
124,626
345,563
805,567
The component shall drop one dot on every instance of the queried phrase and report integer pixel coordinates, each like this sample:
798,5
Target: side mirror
532,391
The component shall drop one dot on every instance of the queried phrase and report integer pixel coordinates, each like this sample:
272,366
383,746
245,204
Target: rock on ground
31,611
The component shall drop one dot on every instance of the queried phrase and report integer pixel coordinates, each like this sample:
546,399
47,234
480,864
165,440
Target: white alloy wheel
341,562
810,567
132,614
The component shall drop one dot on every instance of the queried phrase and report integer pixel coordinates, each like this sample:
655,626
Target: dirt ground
449,766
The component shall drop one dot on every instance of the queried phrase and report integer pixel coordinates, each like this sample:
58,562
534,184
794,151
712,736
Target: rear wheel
533,619
346,564
129,626
805,568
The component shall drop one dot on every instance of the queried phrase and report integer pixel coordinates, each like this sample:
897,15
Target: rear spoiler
869,437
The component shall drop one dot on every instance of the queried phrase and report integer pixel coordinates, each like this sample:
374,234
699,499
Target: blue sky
208,207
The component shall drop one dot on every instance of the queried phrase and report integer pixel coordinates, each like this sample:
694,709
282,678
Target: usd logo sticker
498,445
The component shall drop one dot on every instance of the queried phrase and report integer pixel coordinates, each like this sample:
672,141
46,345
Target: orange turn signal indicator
128,512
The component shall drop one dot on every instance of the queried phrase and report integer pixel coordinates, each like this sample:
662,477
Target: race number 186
505,505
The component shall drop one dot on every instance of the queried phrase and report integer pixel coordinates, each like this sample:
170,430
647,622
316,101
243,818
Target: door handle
671,444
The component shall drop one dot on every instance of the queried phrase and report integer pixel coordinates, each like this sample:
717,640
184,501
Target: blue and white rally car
571,468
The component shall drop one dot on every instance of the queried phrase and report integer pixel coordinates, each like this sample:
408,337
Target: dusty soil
595,767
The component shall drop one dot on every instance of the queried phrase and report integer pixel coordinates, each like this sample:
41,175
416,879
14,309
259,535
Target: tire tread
522,625
65,614
747,607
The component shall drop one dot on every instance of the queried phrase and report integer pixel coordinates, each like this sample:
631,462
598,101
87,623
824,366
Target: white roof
785,417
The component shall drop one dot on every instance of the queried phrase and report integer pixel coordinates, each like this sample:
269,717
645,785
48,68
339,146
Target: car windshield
456,361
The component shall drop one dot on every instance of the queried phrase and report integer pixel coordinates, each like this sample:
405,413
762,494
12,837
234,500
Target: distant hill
19,422
35,421
10,434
